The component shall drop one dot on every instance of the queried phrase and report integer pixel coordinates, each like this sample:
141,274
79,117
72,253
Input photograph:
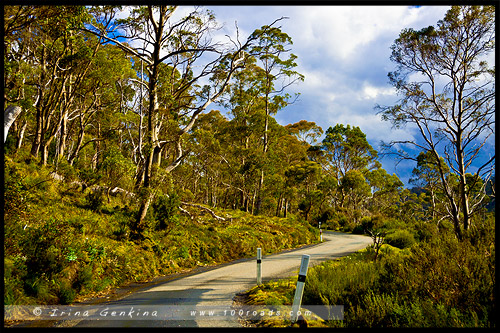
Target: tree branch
215,216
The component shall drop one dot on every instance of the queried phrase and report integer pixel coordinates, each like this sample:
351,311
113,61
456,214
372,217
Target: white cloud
340,32
372,93
344,54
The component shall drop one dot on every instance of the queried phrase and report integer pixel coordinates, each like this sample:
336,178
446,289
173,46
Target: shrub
17,196
94,200
400,238
339,217
38,288
439,283
425,231
66,170
84,278
166,211
336,282
115,168
42,247
325,216
358,229
65,292
371,222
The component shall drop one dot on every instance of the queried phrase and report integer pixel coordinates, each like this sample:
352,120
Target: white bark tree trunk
10,115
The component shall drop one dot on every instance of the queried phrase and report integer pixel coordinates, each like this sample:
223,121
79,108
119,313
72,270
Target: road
217,287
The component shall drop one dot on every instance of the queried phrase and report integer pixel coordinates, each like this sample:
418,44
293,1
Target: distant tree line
121,102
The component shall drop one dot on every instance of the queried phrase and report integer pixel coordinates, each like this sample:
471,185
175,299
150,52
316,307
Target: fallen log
215,216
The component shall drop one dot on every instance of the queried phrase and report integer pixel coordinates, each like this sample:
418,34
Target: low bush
59,250
166,211
441,282
94,200
400,238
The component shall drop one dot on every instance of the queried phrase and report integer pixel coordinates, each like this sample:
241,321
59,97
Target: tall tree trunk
20,137
464,200
433,202
259,194
264,150
143,210
10,114
35,147
279,205
456,220
63,135
44,151
95,158
79,143
140,174
152,138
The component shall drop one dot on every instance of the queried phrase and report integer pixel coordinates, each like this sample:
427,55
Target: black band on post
302,278
259,261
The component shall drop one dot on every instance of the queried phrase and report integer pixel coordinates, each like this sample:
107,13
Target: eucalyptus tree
345,148
48,58
385,190
242,99
183,46
64,58
427,176
305,176
355,192
306,131
18,22
100,104
278,64
447,91
288,151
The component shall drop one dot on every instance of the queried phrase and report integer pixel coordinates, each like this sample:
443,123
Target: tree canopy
123,102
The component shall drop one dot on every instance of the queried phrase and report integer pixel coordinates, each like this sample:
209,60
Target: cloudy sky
343,52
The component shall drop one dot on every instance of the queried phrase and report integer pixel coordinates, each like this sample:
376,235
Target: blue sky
343,52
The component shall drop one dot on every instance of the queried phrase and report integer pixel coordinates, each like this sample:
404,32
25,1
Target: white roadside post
320,233
299,291
259,266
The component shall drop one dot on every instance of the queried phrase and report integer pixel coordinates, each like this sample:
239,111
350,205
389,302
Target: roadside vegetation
436,281
62,243
134,157
432,263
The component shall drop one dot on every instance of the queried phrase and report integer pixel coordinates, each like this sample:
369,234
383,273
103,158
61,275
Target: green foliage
94,200
66,251
116,169
335,282
166,211
279,292
346,148
400,239
16,192
437,282
66,170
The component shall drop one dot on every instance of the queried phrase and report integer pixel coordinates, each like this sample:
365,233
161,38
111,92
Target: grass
59,248
441,282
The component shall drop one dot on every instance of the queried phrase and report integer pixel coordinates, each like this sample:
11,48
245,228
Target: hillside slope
63,243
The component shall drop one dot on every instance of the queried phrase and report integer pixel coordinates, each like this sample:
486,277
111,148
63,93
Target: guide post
299,291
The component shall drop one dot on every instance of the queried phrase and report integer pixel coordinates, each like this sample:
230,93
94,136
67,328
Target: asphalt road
215,289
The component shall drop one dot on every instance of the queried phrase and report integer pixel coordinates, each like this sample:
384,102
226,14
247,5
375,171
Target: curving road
217,287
